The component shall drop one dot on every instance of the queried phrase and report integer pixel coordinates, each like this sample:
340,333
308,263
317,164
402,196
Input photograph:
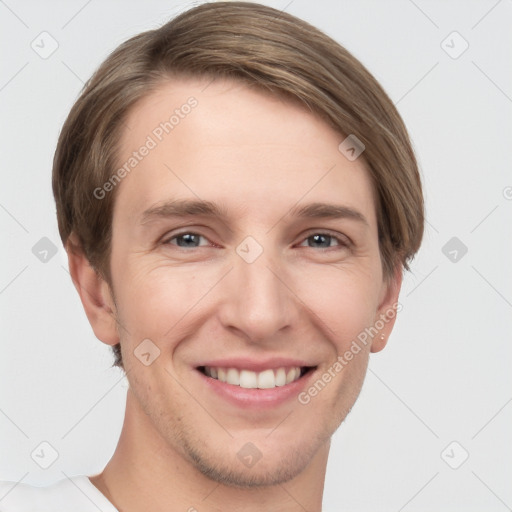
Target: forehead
224,141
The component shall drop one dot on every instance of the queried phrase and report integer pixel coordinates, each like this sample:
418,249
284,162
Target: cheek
156,299
344,301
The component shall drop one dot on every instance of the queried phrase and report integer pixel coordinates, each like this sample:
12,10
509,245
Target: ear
387,310
94,292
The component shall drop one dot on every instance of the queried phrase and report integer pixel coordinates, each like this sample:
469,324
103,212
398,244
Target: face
235,288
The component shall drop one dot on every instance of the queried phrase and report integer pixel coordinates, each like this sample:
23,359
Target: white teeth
233,376
248,379
290,376
221,374
280,377
267,379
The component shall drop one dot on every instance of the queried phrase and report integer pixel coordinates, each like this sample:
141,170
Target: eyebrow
199,207
328,211
184,208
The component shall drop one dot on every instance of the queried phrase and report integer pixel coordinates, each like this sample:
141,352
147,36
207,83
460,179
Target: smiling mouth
248,379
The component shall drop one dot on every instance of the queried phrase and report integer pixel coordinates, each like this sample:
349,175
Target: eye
185,240
318,240
324,240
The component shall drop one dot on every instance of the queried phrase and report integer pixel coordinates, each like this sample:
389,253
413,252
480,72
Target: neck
146,473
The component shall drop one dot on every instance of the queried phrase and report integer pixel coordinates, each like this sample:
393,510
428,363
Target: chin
262,474
276,465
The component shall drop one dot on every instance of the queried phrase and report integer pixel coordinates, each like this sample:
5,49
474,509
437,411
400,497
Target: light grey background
445,375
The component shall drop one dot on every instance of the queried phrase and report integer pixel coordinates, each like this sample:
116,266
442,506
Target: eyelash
341,242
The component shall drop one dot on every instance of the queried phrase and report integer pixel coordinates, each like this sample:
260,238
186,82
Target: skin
258,156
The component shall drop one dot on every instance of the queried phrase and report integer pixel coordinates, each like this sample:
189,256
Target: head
189,180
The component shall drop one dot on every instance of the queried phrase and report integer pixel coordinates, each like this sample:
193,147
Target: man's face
248,295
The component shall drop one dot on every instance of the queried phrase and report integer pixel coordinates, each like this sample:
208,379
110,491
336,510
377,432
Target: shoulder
74,493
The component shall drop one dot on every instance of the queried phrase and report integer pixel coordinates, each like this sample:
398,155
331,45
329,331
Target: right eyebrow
184,208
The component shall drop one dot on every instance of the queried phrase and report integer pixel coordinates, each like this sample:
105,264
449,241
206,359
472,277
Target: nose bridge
260,304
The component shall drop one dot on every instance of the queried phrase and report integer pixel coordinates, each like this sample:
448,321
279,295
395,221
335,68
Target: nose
259,300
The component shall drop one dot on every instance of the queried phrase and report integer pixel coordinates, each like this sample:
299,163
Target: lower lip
257,398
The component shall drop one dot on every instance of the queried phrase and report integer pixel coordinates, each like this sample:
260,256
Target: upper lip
243,363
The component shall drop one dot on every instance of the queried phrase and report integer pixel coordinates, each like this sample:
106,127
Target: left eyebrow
328,211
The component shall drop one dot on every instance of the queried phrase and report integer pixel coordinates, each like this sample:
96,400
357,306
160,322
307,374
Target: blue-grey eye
321,240
186,240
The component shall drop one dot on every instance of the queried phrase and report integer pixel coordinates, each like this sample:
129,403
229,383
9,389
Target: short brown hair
262,47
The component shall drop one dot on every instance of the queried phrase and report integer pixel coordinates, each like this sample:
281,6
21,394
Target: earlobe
387,310
94,293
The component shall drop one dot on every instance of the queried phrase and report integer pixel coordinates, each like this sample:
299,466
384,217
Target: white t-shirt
70,494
